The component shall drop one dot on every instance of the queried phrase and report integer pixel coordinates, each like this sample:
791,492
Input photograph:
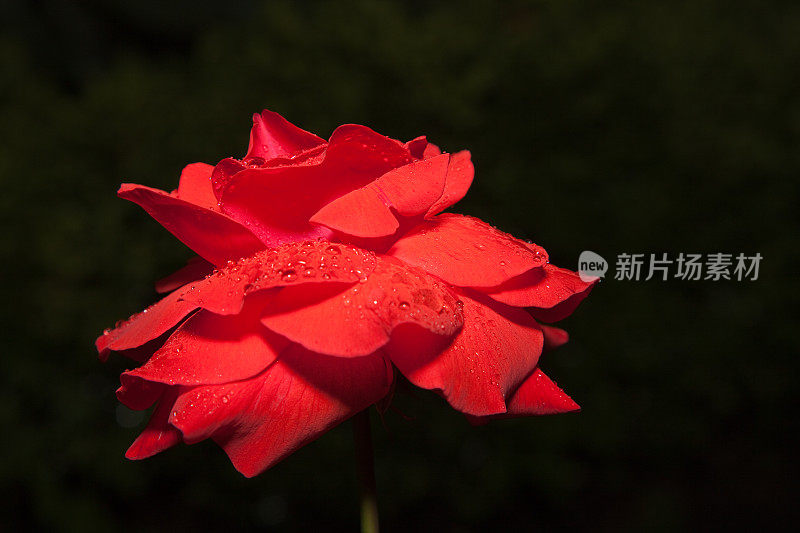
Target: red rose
326,267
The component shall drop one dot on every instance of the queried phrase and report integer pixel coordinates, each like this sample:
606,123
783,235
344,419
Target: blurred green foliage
616,127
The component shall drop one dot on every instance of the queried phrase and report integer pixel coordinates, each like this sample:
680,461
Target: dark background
630,127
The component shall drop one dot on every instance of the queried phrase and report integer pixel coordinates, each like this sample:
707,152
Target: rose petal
195,186
301,396
553,337
141,353
466,251
138,394
158,435
223,173
291,264
459,178
273,136
212,235
225,290
413,188
210,349
538,395
543,287
409,190
360,213
358,320
417,146
196,268
145,326
359,147
560,311
431,150
276,203
497,347
226,169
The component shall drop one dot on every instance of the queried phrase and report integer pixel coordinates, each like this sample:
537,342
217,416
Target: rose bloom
324,270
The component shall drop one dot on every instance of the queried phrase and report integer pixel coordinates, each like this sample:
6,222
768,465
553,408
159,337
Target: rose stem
362,434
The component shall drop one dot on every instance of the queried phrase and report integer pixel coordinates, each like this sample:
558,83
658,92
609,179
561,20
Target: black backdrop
632,127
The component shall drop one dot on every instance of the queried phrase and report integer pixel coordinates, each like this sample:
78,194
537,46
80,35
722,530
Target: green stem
365,467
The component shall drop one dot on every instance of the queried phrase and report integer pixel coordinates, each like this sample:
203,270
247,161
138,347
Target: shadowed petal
301,396
210,349
416,146
553,337
136,393
159,434
496,348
